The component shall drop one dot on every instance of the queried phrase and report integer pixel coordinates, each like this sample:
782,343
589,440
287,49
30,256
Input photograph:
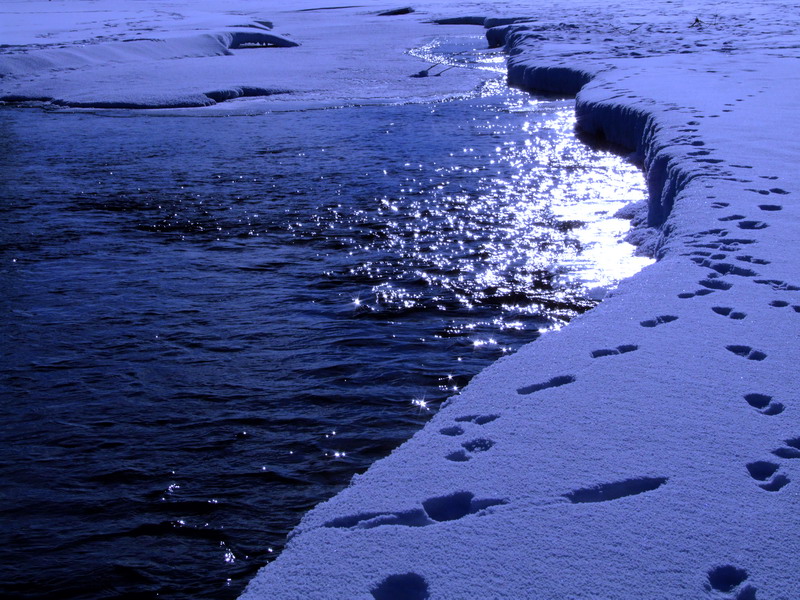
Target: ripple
208,342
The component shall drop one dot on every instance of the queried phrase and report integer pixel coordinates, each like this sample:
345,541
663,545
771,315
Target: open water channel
210,323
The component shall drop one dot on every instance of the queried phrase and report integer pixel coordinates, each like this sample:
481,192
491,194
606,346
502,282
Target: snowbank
649,449
111,53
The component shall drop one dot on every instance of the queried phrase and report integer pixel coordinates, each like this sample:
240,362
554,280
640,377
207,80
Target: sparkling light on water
204,344
525,228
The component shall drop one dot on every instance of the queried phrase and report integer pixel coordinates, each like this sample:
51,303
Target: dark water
209,324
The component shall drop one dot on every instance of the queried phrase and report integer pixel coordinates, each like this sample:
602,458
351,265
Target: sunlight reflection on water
206,342
464,51
534,227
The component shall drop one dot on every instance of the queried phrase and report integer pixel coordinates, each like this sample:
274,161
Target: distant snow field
115,54
647,450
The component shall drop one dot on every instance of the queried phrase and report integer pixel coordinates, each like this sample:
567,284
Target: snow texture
198,53
647,450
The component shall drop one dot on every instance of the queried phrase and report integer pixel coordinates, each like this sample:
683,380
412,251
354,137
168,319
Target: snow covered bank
117,54
649,449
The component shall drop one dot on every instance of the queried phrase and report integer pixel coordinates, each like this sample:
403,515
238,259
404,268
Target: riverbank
648,449
252,57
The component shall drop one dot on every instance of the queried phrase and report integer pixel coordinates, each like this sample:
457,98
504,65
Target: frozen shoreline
647,450
115,55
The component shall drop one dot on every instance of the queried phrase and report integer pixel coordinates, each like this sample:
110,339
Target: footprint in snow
551,383
791,449
477,419
715,284
729,269
451,507
472,446
696,293
606,492
768,472
750,259
469,448
752,225
729,580
660,320
452,431
456,430
764,404
784,304
404,586
726,311
774,190
746,352
723,242
623,349
778,285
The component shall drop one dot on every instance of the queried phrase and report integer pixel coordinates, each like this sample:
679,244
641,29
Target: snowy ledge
41,62
649,449
114,54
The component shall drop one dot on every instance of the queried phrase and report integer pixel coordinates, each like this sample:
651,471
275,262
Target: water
210,323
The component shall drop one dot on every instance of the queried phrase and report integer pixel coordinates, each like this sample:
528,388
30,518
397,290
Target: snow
647,450
111,53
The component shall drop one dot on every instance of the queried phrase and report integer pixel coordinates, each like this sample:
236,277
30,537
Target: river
210,323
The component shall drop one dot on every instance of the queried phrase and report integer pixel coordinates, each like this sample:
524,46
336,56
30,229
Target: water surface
210,323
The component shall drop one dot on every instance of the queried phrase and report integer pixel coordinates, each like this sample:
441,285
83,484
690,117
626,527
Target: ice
646,450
